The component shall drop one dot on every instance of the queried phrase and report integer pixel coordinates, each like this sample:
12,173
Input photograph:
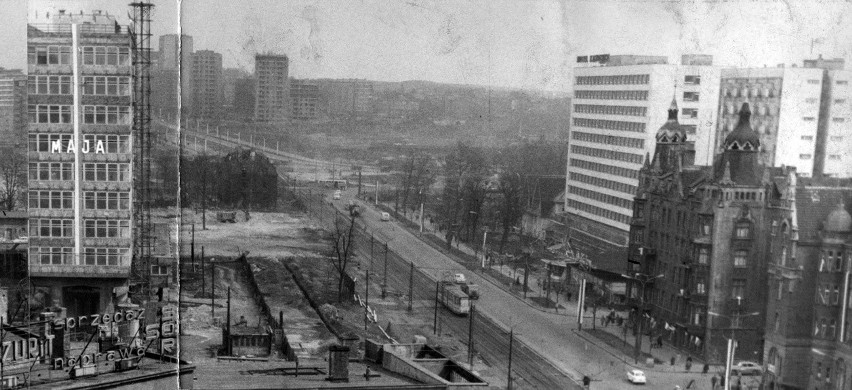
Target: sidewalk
612,338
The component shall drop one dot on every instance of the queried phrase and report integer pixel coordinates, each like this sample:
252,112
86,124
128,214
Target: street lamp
732,344
642,279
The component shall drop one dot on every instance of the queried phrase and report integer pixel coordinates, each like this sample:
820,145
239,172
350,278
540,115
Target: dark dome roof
743,134
671,131
839,220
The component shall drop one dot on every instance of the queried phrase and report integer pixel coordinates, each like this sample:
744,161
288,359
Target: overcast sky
527,44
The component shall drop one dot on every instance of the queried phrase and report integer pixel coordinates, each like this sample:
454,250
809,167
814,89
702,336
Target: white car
636,377
747,368
459,279
336,195
385,216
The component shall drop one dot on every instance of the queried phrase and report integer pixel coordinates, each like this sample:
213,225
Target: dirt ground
273,239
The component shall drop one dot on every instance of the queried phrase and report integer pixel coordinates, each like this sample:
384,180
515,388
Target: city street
552,336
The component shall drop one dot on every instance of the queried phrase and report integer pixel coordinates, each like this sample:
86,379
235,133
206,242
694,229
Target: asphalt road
547,351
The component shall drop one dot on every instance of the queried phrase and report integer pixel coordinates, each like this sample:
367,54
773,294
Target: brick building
80,160
705,228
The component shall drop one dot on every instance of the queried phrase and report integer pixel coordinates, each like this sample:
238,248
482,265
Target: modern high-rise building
304,97
617,103
173,49
244,98
206,85
272,99
13,107
80,160
785,103
347,97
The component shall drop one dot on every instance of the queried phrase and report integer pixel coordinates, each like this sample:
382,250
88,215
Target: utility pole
435,320
192,244
470,337
511,340
377,192
367,303
385,281
203,278
228,318
581,300
411,287
213,293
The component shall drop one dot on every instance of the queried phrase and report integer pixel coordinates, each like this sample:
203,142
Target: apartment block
206,85
271,103
80,160
13,107
304,98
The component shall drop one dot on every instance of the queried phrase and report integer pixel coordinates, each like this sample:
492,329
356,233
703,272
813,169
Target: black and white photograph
426,194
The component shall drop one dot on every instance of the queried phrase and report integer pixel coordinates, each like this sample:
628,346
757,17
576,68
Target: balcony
79,271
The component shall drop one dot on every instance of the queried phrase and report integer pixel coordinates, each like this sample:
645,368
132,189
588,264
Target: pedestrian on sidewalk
659,341
713,381
569,296
688,363
706,369
673,360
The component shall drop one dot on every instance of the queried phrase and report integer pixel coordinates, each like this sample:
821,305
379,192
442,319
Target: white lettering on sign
56,147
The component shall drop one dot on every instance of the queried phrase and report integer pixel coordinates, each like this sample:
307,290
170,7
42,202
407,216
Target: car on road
636,377
385,216
336,195
747,368
459,278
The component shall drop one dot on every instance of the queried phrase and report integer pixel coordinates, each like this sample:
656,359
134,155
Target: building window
811,100
807,138
51,171
777,322
842,82
51,228
107,256
690,96
106,86
106,200
106,228
738,288
838,120
52,255
689,112
834,157
805,156
692,79
49,55
106,55
106,172
106,115
743,230
703,255
835,295
839,101
699,288
57,200
812,81
808,119
836,138
42,113
159,270
740,258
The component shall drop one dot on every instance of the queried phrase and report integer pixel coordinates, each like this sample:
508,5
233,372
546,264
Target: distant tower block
271,105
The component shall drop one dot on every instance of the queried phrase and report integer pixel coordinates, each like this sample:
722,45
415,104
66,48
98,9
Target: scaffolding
140,33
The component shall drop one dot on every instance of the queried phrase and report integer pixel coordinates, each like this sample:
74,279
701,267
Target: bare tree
342,240
464,165
13,168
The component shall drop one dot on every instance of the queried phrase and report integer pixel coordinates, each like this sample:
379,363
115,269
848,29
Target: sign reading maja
70,147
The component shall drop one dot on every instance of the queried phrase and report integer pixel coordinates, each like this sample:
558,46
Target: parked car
747,368
459,278
385,216
336,195
636,377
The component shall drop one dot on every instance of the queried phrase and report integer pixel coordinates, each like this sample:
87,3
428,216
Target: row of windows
619,79
42,113
610,110
691,96
51,171
106,228
51,199
106,200
92,85
106,115
49,55
831,261
91,256
612,95
638,127
828,294
601,182
608,214
51,227
106,172
604,198
106,86
607,154
49,85
746,91
608,139
106,55
603,168
96,143
825,329
689,113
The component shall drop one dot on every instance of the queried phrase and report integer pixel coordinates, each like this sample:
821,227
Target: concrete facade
271,96
13,107
206,85
80,155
